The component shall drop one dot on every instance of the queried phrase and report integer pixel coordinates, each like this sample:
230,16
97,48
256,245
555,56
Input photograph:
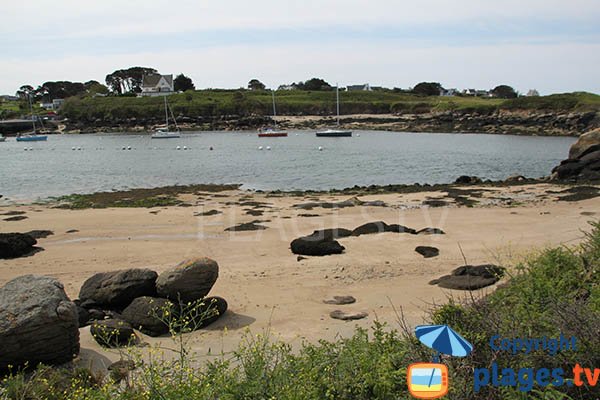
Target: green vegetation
552,292
215,103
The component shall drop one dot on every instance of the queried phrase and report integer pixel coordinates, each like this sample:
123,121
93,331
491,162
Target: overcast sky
550,45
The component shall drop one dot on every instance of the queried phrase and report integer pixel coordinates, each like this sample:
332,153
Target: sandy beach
264,283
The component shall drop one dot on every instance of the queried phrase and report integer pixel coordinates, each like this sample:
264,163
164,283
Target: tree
428,89
314,84
25,91
255,84
183,83
504,92
49,91
128,80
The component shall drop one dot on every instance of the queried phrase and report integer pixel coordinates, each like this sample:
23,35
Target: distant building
157,85
532,92
8,97
286,87
354,88
57,103
476,92
47,106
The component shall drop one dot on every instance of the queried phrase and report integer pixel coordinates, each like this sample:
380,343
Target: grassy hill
211,103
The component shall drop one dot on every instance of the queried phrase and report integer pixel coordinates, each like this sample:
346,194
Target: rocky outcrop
467,180
470,277
331,233
116,289
13,245
427,251
190,280
583,163
370,228
38,323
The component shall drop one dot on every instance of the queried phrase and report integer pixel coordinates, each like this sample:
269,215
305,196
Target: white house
157,85
353,88
448,92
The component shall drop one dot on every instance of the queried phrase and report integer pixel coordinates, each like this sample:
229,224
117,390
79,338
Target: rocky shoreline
546,123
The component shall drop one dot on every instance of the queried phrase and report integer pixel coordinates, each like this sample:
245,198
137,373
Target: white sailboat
272,132
335,132
165,133
31,136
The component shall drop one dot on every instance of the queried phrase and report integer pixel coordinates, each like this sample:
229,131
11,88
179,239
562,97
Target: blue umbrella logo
443,339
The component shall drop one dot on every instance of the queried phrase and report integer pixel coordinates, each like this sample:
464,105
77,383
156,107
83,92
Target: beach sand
264,284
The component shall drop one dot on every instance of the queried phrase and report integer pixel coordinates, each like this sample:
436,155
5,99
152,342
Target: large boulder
331,233
38,323
211,309
149,315
371,227
14,245
190,280
117,289
470,277
584,143
315,246
584,159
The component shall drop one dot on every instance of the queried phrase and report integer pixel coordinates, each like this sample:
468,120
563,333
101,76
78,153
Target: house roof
153,79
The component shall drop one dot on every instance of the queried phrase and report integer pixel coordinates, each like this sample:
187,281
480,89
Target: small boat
165,133
272,132
31,137
335,132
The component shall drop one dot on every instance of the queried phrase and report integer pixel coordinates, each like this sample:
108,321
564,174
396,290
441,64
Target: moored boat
272,132
335,132
31,137
165,133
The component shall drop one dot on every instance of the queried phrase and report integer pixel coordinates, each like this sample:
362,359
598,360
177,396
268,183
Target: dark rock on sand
583,163
340,300
16,218
248,226
338,314
113,333
331,233
72,231
370,227
208,213
14,245
578,193
116,289
434,203
148,314
190,280
308,215
7,213
212,309
467,180
38,323
470,277
400,229
83,316
39,234
300,258
430,231
427,251
313,246
254,213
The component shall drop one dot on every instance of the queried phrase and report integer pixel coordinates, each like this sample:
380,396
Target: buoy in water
320,148
358,135
210,148
72,148
178,148
268,147
260,147
79,148
124,148
185,147
31,148
25,148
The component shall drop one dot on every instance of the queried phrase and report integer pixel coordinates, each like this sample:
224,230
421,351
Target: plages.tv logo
430,380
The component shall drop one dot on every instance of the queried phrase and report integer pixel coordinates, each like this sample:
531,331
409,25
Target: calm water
53,168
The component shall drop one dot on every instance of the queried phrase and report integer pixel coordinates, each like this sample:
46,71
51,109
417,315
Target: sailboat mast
31,110
337,98
274,112
166,114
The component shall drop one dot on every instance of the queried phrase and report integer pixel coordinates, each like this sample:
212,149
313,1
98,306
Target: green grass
554,291
215,103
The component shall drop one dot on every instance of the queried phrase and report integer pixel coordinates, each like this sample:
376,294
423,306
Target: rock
340,300
72,231
313,246
434,203
38,323
430,231
39,234
370,227
119,370
470,277
14,245
113,333
190,280
248,226
427,251
16,218
400,229
211,310
338,314
148,314
467,180
584,143
330,234
83,316
300,258
116,289
515,178
208,213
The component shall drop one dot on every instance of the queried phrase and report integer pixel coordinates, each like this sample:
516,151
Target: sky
549,45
